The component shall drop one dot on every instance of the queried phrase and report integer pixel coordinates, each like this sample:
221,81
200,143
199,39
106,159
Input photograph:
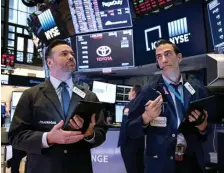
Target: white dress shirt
180,136
56,82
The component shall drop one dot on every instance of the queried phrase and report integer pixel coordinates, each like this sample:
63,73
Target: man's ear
49,62
179,55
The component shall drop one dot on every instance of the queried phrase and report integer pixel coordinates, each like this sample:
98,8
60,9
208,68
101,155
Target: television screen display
216,20
8,60
112,49
99,15
54,22
4,79
15,97
177,24
105,92
146,6
119,112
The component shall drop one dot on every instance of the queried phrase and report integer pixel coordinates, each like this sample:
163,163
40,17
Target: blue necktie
65,98
179,104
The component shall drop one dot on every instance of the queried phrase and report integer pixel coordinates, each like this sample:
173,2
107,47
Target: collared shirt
180,137
56,82
180,89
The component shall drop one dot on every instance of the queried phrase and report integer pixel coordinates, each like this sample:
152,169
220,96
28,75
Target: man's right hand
152,109
59,136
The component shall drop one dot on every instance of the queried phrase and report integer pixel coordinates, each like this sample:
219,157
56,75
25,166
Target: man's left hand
76,123
90,131
195,116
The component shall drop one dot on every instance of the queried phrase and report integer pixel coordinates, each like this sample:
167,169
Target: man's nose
71,58
164,59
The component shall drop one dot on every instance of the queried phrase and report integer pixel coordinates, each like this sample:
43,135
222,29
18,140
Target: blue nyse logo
48,23
178,31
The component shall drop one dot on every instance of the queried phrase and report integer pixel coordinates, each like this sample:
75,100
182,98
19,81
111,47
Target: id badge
159,122
179,152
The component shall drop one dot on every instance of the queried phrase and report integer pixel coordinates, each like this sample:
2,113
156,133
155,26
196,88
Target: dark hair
53,44
162,42
136,89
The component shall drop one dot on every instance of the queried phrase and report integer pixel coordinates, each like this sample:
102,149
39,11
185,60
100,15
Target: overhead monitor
7,60
99,15
15,97
216,20
185,29
105,92
119,108
112,49
146,6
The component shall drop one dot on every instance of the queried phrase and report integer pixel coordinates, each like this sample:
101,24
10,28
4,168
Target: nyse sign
177,29
54,32
180,39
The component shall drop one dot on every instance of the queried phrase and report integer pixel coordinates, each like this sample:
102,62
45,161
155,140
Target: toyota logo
103,51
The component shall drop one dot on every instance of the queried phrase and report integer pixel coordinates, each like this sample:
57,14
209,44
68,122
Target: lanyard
174,92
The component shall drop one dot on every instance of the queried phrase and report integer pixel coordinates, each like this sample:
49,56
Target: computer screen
8,60
4,79
146,6
15,97
216,20
105,92
185,29
99,15
119,112
112,49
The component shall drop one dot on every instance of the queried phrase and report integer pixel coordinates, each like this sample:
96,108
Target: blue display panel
184,28
99,15
216,19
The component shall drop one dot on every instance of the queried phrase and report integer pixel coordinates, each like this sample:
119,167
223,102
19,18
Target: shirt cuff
203,132
92,140
44,141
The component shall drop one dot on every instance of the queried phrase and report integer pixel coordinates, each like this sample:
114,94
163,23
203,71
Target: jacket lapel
187,94
51,94
72,105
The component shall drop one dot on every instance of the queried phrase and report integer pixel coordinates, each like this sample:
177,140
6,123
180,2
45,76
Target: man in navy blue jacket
161,112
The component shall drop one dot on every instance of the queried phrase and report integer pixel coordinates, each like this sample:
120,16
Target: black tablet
204,103
208,104
86,109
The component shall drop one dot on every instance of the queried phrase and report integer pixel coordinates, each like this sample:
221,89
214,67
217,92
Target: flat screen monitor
105,92
216,20
185,29
8,60
15,97
99,15
146,6
112,49
119,108
4,79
